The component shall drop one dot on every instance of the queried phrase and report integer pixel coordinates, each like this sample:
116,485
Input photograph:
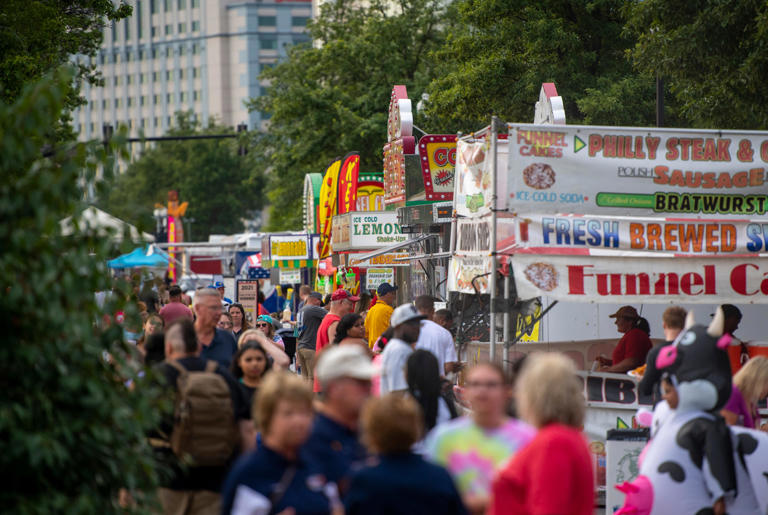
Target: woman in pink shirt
750,384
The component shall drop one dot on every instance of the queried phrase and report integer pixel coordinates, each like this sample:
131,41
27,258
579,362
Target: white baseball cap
404,313
344,361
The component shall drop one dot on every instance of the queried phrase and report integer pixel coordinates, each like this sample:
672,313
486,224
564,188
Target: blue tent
139,257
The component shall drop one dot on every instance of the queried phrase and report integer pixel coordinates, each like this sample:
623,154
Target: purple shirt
736,404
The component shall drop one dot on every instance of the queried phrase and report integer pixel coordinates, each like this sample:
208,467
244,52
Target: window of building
101,58
130,101
157,122
195,49
117,102
153,6
269,44
195,73
104,104
181,74
181,50
142,78
154,76
127,29
128,56
156,99
182,28
265,115
267,21
167,74
114,32
128,79
168,29
117,57
195,26
90,126
138,17
141,100
195,3
169,98
168,121
195,95
184,96
299,21
130,124
182,4
167,6
115,81
154,31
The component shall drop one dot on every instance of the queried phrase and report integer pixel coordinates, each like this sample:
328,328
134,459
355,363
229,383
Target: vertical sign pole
492,281
507,319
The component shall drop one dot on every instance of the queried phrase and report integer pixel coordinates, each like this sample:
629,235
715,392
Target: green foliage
38,36
712,54
209,174
332,98
499,52
72,432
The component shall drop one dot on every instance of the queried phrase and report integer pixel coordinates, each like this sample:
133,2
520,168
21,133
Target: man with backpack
203,437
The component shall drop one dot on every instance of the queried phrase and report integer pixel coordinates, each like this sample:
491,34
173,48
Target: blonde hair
674,317
391,424
278,386
752,378
549,391
244,336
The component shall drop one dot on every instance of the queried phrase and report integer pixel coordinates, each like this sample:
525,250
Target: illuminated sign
438,165
400,119
370,192
312,183
400,141
366,230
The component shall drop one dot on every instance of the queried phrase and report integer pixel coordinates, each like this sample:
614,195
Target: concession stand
572,222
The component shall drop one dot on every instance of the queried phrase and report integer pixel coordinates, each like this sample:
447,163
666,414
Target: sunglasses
264,324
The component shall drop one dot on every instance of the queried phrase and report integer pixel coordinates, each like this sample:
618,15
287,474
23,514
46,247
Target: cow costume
694,458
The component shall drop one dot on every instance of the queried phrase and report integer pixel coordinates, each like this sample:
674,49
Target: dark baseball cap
316,295
385,288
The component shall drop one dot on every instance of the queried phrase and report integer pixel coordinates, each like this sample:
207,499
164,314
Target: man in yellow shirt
377,319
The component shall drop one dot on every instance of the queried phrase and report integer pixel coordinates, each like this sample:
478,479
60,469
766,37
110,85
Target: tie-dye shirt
472,454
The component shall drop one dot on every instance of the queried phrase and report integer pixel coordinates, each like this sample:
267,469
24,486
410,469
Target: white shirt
438,341
393,361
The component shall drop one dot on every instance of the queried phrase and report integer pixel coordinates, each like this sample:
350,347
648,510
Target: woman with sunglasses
350,330
266,324
239,321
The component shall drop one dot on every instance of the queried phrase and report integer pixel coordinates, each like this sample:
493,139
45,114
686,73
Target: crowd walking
368,418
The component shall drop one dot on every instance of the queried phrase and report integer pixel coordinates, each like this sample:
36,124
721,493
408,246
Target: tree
712,56
38,36
209,174
499,52
332,98
73,433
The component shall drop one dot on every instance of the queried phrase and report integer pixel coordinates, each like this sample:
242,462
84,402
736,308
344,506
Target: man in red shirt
633,347
342,302
175,308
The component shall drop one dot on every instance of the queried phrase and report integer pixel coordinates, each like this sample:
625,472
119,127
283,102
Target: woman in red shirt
553,474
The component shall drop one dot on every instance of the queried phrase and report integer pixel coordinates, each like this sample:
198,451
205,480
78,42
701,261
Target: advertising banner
327,207
634,171
438,165
472,184
312,185
247,295
624,280
464,271
290,276
366,230
623,236
376,276
389,260
289,247
347,196
473,235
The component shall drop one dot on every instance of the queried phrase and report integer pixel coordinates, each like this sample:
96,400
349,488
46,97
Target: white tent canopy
106,225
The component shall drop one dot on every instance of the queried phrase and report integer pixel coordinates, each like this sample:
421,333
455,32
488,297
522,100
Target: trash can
622,448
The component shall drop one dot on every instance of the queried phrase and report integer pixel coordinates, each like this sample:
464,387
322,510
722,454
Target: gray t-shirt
393,361
307,323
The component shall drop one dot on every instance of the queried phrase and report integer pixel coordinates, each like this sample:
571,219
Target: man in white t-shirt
406,323
435,338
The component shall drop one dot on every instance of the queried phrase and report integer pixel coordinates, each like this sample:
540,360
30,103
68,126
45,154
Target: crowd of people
367,418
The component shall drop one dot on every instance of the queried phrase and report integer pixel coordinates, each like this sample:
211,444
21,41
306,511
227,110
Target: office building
203,56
